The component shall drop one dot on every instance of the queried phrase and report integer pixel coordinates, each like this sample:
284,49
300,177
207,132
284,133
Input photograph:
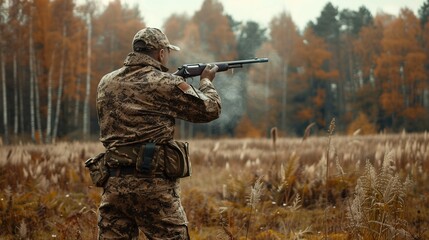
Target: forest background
369,72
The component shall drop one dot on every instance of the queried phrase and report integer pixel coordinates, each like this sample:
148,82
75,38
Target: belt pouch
176,160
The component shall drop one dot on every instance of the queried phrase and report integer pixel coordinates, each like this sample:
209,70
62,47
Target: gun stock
195,69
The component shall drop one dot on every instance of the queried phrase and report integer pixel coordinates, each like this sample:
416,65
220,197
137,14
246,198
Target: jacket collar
141,59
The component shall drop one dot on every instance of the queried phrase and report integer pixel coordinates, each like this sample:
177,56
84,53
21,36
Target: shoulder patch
188,89
184,86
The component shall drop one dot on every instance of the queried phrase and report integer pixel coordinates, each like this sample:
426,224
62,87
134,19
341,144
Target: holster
98,169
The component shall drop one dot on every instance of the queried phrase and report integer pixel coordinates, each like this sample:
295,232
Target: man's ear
161,55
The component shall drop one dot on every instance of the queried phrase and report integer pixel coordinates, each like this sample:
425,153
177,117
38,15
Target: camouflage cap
153,38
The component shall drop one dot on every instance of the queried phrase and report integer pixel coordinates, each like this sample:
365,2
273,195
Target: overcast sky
155,12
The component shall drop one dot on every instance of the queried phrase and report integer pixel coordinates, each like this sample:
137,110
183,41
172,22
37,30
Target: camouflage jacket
140,101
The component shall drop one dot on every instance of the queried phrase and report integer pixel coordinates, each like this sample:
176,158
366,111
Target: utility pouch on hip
176,160
97,169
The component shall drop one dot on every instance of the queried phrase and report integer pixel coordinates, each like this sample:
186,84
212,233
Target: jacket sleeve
198,105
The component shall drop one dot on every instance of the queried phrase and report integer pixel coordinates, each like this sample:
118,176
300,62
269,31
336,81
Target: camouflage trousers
152,205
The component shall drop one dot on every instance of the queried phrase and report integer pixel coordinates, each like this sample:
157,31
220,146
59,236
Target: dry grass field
333,187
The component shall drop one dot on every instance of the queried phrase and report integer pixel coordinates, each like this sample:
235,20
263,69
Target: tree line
368,72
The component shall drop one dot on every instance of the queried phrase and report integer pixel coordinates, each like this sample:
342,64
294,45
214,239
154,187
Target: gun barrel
246,61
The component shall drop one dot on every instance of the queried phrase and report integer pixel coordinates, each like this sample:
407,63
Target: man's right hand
209,72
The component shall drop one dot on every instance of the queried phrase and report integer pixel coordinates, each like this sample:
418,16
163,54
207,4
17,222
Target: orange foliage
362,124
246,129
175,27
320,97
391,102
400,67
311,53
305,114
323,75
413,113
284,35
215,30
368,46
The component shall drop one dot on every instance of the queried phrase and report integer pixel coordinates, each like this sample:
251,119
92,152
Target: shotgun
195,69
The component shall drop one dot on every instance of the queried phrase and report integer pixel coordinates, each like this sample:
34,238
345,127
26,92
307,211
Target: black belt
122,171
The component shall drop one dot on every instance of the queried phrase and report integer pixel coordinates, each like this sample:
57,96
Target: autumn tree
215,31
63,30
48,41
352,22
401,73
327,27
310,83
83,71
112,36
16,34
368,47
113,32
39,27
284,37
